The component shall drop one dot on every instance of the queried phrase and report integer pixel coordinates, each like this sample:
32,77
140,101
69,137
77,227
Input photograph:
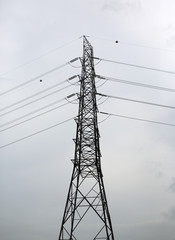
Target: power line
36,94
39,76
136,83
137,101
134,65
35,111
26,104
33,134
132,44
39,57
103,39
17,124
138,119
145,46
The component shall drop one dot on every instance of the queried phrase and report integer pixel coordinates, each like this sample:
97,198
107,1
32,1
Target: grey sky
137,158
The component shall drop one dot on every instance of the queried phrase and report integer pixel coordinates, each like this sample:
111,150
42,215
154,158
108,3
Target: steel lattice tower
86,214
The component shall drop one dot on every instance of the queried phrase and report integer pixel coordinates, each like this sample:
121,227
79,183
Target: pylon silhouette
86,215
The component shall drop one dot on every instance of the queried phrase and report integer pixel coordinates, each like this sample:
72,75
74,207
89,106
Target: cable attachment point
73,60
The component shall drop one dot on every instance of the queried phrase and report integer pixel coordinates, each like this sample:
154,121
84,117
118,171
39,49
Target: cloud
172,186
151,230
169,30
171,41
170,214
122,5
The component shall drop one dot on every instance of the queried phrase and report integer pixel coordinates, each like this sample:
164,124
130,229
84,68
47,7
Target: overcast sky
138,158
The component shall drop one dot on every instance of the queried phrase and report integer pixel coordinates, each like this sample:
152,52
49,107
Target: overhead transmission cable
137,101
33,101
38,77
135,83
36,94
35,133
39,57
134,65
138,119
38,115
132,44
17,124
35,111
144,46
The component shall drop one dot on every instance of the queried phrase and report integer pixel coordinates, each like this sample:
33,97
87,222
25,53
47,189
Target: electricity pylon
86,214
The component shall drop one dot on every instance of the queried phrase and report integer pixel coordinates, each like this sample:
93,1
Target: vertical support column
86,215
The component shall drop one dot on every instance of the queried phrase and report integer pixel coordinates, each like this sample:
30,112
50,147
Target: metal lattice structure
86,214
